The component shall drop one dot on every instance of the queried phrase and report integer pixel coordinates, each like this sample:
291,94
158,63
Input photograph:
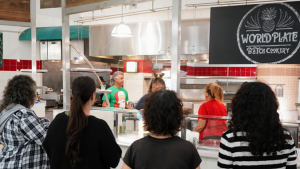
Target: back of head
82,90
21,89
254,111
163,113
214,91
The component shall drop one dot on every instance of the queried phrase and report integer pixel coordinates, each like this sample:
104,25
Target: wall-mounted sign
1,49
131,66
265,33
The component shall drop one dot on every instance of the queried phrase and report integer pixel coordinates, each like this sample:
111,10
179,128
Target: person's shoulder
96,121
25,113
124,90
146,95
111,87
182,141
140,142
205,103
183,145
60,116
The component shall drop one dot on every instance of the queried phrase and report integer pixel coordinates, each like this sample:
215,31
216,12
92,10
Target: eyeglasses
158,88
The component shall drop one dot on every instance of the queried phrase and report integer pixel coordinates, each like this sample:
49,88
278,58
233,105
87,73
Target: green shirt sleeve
108,96
126,93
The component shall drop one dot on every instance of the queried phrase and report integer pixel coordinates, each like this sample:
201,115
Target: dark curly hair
254,111
21,89
163,113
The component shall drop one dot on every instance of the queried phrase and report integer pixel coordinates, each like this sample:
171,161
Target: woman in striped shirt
256,138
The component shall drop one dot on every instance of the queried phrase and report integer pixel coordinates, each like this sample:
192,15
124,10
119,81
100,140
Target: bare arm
104,104
200,126
198,167
126,166
127,106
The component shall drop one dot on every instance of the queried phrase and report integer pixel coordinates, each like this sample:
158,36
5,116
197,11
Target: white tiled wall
135,85
290,85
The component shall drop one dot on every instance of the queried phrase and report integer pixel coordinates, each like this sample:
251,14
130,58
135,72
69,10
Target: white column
176,40
66,57
33,37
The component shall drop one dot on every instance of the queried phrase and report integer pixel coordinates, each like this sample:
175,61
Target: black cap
101,78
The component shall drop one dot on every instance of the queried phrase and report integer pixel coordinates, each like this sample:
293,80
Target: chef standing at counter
119,96
212,129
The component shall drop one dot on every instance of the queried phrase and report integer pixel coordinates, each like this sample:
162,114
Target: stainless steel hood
149,38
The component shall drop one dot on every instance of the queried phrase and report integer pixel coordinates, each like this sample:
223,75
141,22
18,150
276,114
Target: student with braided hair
212,129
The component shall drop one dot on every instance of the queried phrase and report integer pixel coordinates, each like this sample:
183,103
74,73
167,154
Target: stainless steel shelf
41,87
88,70
206,77
37,71
103,91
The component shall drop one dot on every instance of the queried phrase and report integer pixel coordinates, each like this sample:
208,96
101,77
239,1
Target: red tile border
221,71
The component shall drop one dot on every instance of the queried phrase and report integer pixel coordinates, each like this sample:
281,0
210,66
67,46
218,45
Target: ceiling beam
15,23
101,5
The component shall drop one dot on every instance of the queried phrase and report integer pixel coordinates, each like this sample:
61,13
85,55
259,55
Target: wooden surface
72,3
50,3
15,10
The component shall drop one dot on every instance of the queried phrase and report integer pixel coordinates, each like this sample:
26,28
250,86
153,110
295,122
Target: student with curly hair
256,138
163,117
77,140
21,131
209,128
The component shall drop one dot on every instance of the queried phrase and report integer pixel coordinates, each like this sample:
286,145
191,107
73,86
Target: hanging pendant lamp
121,30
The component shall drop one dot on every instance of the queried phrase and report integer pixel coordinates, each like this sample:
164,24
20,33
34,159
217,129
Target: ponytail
77,122
82,89
215,91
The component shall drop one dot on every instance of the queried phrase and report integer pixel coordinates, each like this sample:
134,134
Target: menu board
1,49
263,33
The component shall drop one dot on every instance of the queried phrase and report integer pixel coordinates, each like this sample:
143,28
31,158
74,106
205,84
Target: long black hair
254,111
82,90
19,90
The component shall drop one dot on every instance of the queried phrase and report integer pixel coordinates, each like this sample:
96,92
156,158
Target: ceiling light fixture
121,30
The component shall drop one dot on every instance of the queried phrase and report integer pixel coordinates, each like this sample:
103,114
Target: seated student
21,131
77,140
256,138
163,117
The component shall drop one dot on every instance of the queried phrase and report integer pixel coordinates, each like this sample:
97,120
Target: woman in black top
163,117
77,140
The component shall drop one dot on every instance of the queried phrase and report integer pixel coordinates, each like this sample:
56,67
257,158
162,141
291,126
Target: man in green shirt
118,97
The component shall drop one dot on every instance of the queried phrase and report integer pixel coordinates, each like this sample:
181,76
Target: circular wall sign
269,33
